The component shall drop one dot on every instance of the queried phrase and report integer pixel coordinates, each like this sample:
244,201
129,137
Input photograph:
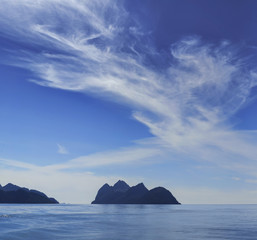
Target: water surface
127,222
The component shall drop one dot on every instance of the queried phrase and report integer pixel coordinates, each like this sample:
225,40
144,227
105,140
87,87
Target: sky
161,92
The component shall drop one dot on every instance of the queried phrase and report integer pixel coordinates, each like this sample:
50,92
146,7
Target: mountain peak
122,193
139,188
10,187
11,193
120,186
141,185
159,195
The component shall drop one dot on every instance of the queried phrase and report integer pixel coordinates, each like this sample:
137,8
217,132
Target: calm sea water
127,222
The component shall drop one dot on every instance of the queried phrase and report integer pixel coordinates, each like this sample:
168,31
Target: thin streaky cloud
17,164
117,157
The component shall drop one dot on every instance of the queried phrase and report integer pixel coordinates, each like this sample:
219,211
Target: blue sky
160,92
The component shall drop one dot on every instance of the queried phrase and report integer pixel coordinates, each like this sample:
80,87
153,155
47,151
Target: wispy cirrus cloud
95,48
118,156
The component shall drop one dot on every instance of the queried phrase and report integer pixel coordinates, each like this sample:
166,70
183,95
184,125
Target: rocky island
11,193
122,193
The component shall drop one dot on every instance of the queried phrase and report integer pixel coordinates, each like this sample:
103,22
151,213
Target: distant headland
122,193
11,193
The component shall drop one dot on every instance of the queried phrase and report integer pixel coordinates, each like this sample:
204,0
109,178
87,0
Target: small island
122,193
11,193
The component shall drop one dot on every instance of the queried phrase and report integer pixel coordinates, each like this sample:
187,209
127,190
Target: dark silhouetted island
122,193
11,193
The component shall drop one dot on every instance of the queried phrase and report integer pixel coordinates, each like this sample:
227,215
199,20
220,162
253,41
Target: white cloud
17,164
184,105
120,156
236,178
254,181
62,149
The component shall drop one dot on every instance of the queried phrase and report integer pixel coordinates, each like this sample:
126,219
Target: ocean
127,222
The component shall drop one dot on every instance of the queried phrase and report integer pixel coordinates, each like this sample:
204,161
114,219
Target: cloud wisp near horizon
94,47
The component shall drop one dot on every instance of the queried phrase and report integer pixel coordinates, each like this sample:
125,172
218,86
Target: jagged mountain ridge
122,193
11,193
